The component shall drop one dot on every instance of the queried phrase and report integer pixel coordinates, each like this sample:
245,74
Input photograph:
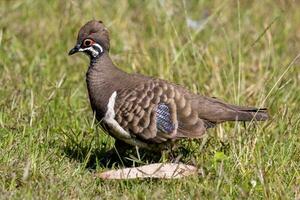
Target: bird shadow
109,158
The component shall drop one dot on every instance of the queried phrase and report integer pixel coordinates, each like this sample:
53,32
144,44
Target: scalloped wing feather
158,111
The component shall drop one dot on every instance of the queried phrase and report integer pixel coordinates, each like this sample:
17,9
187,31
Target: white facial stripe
99,46
91,49
94,52
109,118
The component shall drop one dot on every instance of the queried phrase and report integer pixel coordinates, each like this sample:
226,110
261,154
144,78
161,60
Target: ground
244,52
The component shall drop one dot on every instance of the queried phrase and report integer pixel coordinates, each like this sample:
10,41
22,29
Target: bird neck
103,65
103,78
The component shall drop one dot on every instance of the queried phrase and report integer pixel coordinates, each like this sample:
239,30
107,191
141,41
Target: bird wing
157,111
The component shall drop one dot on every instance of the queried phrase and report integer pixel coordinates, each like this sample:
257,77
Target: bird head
93,39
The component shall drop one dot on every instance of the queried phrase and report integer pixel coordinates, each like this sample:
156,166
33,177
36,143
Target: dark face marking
91,48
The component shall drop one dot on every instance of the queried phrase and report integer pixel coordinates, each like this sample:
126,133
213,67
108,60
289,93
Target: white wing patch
109,119
117,131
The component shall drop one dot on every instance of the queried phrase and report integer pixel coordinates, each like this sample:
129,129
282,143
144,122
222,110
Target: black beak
74,50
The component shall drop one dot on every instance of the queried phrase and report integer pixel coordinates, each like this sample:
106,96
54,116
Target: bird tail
240,113
218,111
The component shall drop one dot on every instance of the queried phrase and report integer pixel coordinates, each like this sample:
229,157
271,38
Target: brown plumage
141,110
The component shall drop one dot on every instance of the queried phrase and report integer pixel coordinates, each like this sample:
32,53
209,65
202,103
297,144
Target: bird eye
88,42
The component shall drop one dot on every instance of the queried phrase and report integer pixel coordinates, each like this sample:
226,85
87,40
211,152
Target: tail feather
217,111
242,114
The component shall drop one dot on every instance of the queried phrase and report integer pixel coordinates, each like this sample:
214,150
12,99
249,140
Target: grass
241,51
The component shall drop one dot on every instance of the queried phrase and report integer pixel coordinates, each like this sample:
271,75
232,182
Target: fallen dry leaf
157,170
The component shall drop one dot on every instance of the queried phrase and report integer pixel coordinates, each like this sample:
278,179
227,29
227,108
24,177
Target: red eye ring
88,42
